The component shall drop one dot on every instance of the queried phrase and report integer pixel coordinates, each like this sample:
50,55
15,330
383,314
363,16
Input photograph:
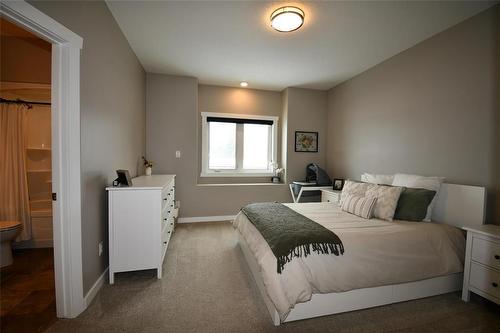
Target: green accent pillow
413,203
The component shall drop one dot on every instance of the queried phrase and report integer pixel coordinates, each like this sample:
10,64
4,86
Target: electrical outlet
100,248
177,154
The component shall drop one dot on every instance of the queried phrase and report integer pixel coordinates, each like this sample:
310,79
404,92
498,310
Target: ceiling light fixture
286,19
244,84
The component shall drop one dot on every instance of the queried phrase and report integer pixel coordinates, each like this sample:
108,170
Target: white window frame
238,172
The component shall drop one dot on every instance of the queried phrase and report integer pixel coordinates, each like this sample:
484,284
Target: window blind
240,121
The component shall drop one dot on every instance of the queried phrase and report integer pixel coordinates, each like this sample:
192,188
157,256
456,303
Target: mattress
377,253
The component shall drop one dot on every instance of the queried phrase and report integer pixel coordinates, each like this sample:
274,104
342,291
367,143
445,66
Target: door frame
66,175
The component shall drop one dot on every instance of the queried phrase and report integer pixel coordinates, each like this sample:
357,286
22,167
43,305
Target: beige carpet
207,287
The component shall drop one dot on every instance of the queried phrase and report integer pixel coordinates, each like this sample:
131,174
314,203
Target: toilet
8,232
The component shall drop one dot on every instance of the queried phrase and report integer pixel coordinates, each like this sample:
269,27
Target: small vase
148,171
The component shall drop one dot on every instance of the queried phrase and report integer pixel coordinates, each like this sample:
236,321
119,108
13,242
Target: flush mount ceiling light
244,84
286,19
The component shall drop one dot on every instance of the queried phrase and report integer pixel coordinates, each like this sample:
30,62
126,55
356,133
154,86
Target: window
238,145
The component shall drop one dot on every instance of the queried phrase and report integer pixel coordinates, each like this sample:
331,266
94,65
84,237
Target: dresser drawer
168,209
167,194
167,219
167,205
166,233
170,224
485,279
486,252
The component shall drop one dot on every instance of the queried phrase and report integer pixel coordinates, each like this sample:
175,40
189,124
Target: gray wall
431,110
306,110
171,124
284,134
112,97
173,121
496,106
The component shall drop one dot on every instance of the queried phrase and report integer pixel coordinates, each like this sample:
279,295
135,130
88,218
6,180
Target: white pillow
387,200
416,181
377,179
353,188
359,206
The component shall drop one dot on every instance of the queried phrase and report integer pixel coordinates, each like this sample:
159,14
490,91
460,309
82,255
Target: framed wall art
306,142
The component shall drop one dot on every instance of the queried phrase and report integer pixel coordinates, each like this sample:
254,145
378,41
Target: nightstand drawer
486,252
485,279
329,196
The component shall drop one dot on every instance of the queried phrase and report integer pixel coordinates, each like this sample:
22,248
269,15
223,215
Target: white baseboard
206,219
95,288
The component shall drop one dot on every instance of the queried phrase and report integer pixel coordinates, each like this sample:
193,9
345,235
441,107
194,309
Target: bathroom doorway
66,47
28,301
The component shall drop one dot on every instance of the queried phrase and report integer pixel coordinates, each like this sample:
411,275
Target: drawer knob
497,256
164,242
168,232
168,212
165,199
171,224
494,284
164,219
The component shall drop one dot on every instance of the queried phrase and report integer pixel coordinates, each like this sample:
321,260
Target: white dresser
482,262
141,222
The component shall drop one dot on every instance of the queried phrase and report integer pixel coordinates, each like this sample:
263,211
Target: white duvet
376,253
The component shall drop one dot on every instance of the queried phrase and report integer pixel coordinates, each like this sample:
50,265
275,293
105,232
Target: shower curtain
14,198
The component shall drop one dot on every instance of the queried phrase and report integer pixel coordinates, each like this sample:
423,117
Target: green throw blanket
290,234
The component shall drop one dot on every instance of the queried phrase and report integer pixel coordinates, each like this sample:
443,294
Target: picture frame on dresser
123,178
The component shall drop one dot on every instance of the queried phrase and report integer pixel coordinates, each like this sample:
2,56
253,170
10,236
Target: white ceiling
223,43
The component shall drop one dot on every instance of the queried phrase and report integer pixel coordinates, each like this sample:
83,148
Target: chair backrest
316,174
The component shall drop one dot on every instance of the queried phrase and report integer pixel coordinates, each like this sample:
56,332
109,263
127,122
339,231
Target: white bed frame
457,205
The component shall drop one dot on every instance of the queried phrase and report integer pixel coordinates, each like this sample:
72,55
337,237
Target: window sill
242,184
238,175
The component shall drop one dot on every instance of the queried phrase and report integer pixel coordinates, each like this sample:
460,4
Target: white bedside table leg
111,277
468,254
159,270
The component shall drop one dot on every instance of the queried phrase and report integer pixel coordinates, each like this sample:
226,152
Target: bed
385,262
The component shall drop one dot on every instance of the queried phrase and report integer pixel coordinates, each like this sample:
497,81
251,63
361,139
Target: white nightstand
482,262
330,195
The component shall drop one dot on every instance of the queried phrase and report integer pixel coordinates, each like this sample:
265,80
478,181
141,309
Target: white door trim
66,47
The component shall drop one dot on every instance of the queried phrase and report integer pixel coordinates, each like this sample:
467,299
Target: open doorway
28,301
65,151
